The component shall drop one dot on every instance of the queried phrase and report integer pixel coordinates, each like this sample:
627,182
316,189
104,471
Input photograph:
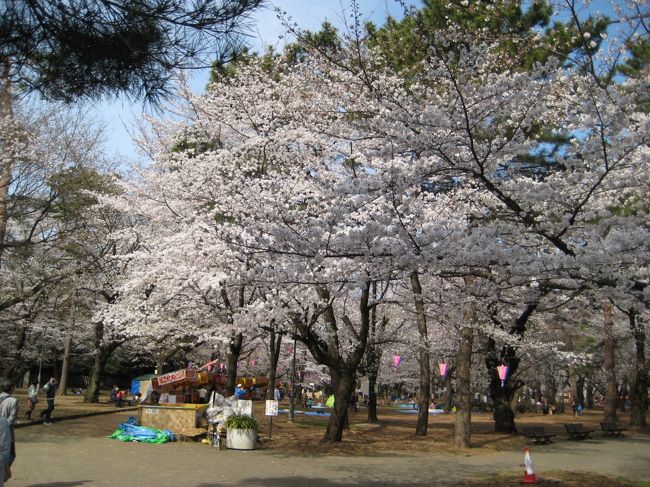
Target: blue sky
120,115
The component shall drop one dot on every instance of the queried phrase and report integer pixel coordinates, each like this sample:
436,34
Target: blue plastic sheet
131,431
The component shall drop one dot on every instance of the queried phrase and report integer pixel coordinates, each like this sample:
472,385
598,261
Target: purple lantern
503,373
443,369
397,360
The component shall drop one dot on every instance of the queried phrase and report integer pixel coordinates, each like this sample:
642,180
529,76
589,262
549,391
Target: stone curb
73,416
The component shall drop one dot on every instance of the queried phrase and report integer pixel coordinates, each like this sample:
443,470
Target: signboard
177,376
271,408
150,411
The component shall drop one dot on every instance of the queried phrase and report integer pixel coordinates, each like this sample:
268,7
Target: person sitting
114,392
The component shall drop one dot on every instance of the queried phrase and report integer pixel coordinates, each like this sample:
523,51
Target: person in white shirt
203,395
9,411
5,450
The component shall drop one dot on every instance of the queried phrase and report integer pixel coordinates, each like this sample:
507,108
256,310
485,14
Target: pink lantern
222,366
253,363
397,360
210,367
443,369
503,373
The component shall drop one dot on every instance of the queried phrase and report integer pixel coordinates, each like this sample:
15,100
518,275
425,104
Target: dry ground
395,432
370,454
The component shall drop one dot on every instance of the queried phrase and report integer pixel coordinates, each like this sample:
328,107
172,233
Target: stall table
180,419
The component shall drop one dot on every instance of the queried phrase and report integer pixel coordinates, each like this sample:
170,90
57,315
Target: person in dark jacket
50,391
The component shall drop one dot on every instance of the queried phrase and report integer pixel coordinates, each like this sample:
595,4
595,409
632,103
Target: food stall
178,409
254,387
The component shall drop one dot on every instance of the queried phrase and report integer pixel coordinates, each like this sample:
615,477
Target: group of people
9,415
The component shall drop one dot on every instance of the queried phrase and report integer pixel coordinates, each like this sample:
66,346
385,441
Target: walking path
76,452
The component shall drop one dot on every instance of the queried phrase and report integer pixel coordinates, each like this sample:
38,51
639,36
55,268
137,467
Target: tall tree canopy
86,49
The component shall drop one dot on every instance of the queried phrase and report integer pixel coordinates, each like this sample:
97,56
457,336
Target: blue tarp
130,431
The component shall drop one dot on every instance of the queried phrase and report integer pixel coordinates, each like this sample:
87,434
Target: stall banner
177,376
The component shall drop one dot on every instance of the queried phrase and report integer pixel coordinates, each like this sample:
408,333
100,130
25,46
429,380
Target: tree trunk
372,395
101,358
102,353
275,340
504,417
580,389
589,392
232,357
639,386
343,384
6,111
425,365
373,359
63,383
462,430
609,410
161,358
449,393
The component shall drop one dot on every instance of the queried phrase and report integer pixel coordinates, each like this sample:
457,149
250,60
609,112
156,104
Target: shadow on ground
63,484
300,481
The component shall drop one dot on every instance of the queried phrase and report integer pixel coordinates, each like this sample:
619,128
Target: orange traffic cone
529,476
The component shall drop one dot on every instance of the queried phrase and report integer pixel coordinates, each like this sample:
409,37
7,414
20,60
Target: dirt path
76,452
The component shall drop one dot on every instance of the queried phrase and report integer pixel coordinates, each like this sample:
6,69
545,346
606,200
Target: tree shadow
63,484
300,481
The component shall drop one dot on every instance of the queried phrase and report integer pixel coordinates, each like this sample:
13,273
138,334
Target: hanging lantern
222,366
443,369
210,367
397,359
503,373
253,363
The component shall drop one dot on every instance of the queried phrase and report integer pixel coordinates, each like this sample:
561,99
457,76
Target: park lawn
395,433
70,405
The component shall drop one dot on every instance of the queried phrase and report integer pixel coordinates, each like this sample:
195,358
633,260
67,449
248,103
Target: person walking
50,391
5,451
32,399
9,411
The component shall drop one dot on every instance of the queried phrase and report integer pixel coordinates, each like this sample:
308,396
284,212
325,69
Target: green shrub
242,422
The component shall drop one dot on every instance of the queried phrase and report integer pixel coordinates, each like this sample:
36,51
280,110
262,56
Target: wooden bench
612,429
577,432
537,434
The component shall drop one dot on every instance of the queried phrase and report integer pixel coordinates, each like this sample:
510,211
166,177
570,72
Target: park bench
538,434
612,429
577,432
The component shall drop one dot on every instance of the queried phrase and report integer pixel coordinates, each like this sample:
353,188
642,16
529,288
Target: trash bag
130,431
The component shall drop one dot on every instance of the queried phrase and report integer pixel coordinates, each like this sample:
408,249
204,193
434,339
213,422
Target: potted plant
241,432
